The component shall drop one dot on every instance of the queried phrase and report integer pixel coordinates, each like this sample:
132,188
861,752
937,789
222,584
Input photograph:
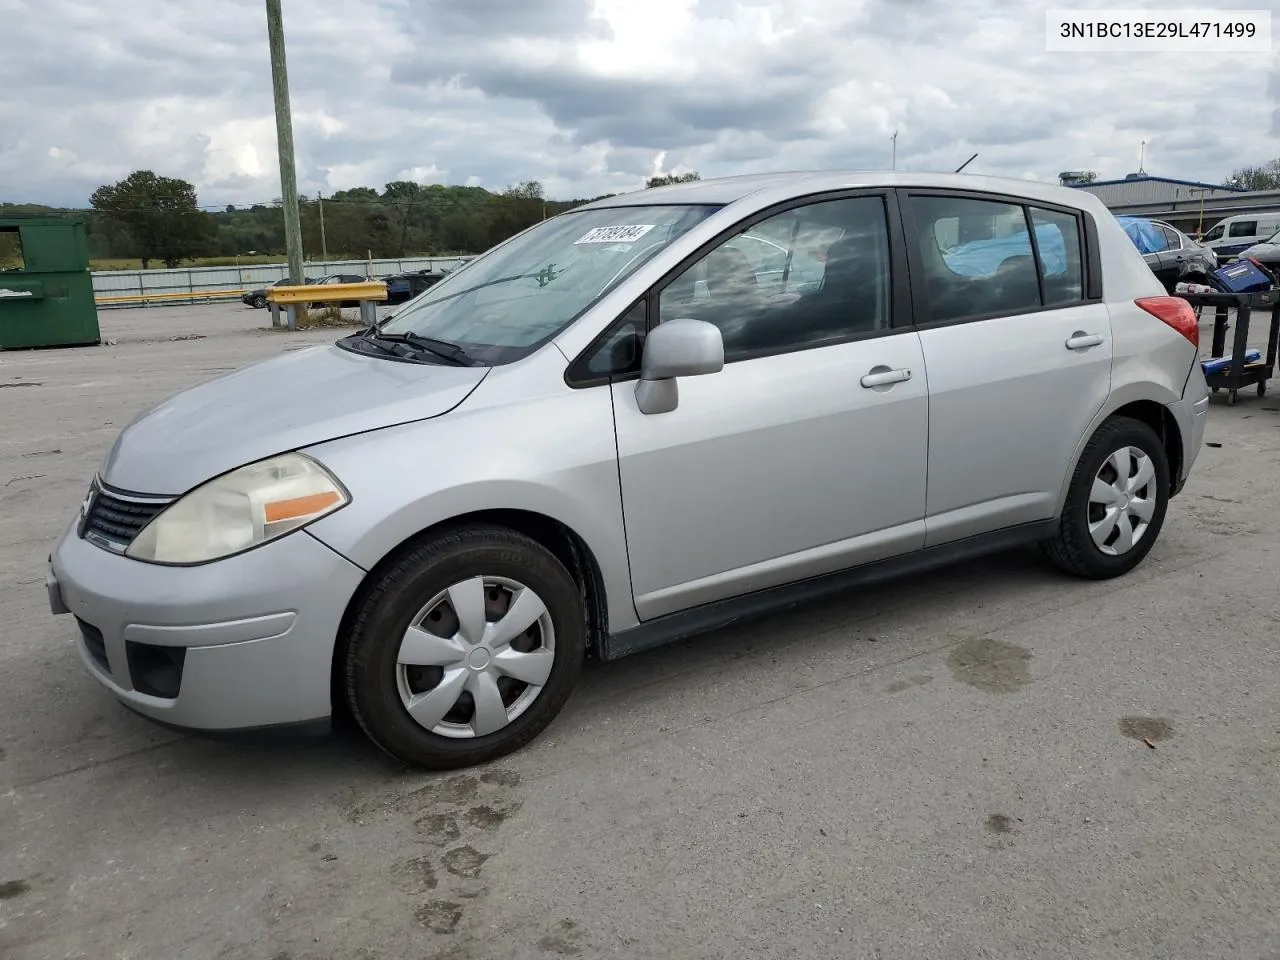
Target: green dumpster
46,291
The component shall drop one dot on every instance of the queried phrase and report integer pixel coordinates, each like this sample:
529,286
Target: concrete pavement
949,766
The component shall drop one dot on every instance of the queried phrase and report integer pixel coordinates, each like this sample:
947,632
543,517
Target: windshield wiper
445,349
393,348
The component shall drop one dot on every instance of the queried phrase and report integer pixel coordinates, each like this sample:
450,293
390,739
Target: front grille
114,517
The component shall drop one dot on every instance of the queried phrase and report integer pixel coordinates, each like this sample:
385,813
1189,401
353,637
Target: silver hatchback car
650,416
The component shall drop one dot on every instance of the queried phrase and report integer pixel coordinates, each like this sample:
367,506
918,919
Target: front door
806,453
1018,357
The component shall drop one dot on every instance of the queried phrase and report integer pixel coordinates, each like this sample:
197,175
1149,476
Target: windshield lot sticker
626,234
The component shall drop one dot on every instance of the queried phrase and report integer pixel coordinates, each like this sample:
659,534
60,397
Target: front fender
552,455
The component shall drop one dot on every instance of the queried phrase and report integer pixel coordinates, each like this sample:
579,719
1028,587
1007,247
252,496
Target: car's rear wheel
465,648
1116,503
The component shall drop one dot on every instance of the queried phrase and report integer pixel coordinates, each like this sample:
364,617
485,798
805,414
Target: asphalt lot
948,767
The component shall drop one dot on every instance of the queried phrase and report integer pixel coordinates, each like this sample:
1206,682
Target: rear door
1017,349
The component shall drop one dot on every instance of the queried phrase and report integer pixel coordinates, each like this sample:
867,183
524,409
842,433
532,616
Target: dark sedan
1172,255
407,285
258,298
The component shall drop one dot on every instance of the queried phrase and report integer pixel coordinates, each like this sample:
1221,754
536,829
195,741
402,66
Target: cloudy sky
591,96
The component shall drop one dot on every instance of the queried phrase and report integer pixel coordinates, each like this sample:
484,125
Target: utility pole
894,141
324,247
284,142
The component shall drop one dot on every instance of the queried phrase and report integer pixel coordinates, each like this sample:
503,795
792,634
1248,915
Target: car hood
1263,251
292,401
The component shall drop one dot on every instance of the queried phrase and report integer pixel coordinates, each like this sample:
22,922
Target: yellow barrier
328,292
149,297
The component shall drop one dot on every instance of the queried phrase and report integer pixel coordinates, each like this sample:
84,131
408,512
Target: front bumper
240,643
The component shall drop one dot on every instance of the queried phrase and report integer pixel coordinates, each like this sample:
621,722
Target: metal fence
133,288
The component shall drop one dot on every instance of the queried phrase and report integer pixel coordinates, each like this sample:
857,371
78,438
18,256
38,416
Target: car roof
726,190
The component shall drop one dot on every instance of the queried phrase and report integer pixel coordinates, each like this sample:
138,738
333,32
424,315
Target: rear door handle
883,377
1082,341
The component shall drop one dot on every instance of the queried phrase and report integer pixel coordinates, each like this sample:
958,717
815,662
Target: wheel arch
569,547
1143,408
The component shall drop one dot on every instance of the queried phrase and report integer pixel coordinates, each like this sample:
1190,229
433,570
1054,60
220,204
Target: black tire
1072,548
259,302
379,623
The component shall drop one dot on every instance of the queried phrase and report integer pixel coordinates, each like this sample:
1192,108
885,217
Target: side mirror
677,348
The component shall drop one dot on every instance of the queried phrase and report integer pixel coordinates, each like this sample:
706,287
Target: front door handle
883,377
1081,340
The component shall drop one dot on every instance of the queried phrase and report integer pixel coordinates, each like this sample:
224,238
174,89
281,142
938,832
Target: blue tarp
1146,236
981,258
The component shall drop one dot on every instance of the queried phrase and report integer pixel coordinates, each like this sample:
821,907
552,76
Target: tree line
159,220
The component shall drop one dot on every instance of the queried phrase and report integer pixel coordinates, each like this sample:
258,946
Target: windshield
508,302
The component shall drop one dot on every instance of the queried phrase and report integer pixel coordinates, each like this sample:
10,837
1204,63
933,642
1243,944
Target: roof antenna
966,163
1142,157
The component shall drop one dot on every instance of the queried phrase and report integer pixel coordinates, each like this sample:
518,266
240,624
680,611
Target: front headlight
240,510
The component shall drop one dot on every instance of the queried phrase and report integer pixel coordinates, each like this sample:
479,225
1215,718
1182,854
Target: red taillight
1177,313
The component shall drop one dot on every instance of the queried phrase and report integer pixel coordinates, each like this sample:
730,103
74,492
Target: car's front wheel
465,648
259,302
1116,503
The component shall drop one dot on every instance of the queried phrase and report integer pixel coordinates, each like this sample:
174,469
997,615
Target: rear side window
980,258
1243,228
1061,263
976,255
1173,241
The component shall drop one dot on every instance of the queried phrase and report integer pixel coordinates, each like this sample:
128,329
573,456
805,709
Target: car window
813,274
1243,228
1172,240
1061,265
509,301
1214,234
618,354
976,256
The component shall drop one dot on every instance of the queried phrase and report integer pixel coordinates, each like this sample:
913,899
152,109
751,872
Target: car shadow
652,689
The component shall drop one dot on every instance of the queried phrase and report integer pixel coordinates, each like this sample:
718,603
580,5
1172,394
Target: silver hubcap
475,657
1122,501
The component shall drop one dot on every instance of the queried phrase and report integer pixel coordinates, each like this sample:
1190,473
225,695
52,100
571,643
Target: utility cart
1239,370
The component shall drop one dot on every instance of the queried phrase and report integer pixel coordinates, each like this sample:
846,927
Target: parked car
605,434
1266,253
402,287
258,298
1230,237
1172,255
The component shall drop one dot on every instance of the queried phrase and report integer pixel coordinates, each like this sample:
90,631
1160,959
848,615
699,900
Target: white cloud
592,96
